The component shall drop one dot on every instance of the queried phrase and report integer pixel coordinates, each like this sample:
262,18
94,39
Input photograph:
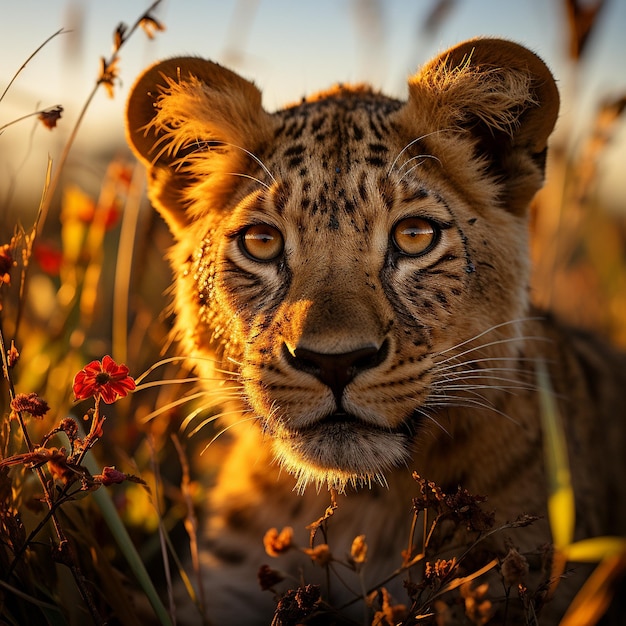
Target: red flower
49,258
106,380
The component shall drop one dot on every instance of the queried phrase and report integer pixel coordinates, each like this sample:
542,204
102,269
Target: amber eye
261,242
414,236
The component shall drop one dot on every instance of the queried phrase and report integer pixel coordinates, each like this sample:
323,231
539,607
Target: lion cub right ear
195,125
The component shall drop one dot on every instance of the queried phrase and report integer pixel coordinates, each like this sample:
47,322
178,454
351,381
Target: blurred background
290,49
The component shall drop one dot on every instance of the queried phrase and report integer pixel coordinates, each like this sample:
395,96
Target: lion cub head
342,257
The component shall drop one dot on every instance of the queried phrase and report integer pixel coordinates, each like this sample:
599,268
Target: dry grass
65,298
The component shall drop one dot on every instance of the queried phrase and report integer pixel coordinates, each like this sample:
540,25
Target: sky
288,48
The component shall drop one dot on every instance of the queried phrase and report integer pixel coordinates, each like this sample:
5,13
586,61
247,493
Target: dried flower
58,464
276,543
461,506
119,36
150,26
295,605
6,263
431,497
50,117
390,614
106,380
110,476
108,75
320,554
30,403
439,570
477,608
514,568
268,577
70,428
12,355
358,551
465,508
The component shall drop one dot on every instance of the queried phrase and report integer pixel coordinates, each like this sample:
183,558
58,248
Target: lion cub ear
505,97
195,125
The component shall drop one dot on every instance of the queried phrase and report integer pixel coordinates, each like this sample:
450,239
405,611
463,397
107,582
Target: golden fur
359,267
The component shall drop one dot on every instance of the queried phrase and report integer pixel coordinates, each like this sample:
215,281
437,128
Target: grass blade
119,532
561,508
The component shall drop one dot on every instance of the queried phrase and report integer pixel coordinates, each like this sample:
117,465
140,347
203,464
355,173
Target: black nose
337,370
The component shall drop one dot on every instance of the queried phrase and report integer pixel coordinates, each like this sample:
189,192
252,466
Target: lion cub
356,268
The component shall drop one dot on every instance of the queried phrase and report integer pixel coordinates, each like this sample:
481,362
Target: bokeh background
291,49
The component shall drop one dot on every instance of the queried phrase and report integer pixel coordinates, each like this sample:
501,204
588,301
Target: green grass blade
118,530
561,507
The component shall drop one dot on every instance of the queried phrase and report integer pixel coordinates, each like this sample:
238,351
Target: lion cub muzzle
336,370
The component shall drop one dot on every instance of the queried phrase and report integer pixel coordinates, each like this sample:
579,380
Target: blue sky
289,48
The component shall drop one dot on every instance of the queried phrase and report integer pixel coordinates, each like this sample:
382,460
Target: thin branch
61,31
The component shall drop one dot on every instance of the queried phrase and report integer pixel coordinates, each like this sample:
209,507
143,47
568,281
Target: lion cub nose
337,370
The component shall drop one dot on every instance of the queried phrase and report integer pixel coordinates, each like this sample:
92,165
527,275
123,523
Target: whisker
503,388
207,405
488,375
208,420
411,143
423,157
226,428
469,403
512,384
254,178
490,344
237,363
166,361
493,373
191,416
174,381
156,365
227,372
491,329
255,158
508,359
171,405
431,418
204,146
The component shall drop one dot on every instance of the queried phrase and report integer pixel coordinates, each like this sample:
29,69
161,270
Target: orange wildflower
276,543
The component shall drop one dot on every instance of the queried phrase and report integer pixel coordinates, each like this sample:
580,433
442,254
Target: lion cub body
358,267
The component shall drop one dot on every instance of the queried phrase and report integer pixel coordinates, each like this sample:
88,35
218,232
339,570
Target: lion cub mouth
341,449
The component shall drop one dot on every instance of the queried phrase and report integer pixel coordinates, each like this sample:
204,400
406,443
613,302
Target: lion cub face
352,259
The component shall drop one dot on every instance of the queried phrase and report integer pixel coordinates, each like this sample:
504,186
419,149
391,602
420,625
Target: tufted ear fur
194,124
504,97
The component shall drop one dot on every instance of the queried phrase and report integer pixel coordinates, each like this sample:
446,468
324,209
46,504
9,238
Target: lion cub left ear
195,126
502,96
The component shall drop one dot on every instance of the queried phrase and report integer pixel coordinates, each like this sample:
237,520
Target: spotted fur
356,361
